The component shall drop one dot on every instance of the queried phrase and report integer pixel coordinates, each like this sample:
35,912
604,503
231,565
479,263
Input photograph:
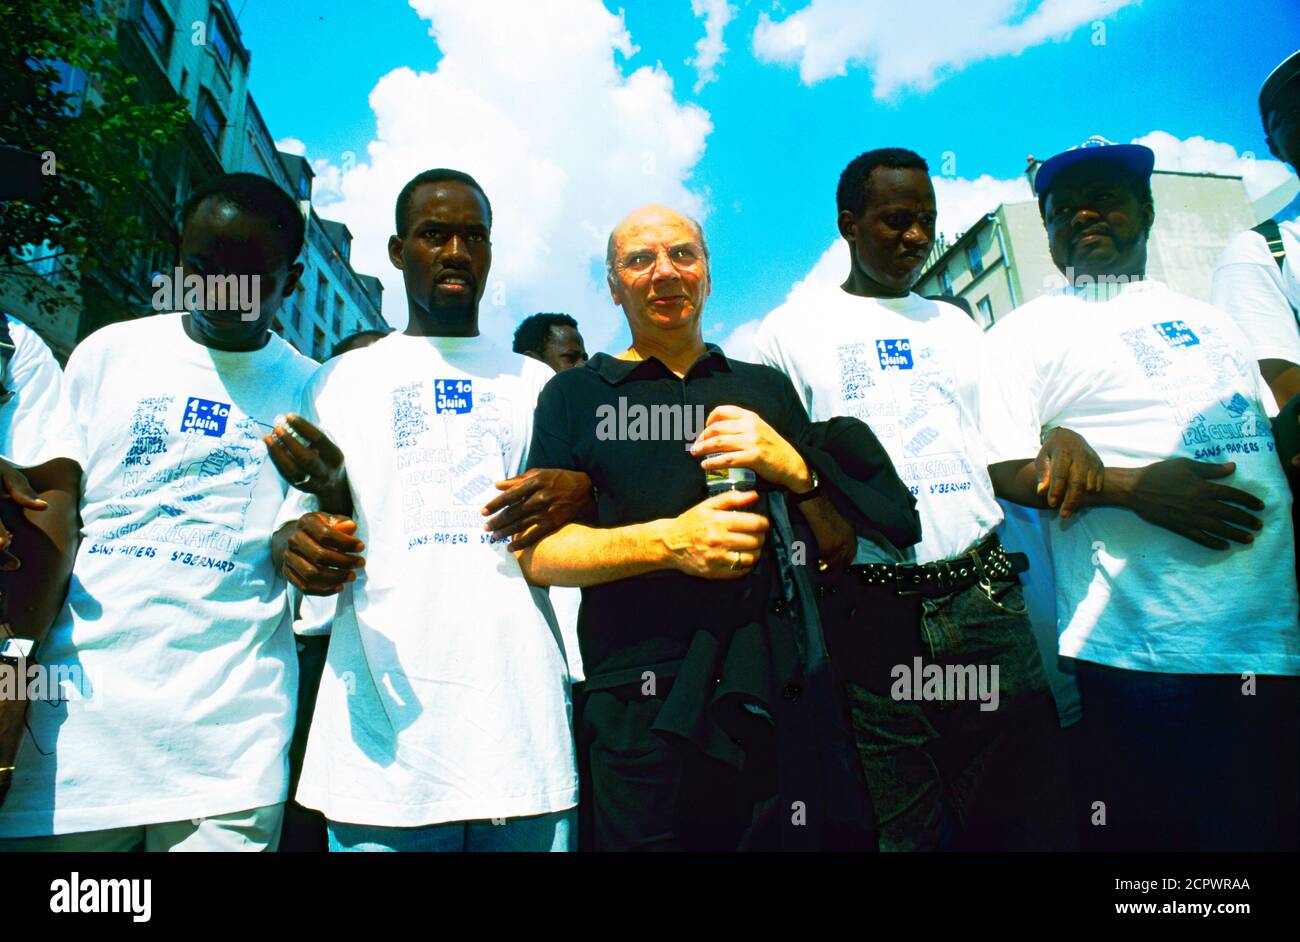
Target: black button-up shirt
608,419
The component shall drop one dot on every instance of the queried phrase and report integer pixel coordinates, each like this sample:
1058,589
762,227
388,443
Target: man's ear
1149,216
395,251
613,290
1272,147
847,224
291,279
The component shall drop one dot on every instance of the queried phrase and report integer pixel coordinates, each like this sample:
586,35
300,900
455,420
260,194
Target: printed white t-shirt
1147,375
446,694
173,653
1259,296
35,424
910,369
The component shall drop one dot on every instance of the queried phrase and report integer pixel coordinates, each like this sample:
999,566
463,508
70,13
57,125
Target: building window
72,82
974,259
157,27
304,187
338,316
945,280
322,292
318,344
985,307
219,37
211,120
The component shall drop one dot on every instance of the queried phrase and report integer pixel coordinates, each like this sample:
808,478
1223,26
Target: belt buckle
900,584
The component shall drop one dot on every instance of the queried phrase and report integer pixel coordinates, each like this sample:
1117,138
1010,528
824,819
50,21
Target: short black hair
851,194
533,334
350,342
1141,187
438,175
257,195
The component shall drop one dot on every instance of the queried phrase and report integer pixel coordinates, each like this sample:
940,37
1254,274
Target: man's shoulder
1249,247
758,375
1029,316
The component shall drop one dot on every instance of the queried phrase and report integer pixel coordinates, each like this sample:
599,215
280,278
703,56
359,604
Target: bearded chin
452,312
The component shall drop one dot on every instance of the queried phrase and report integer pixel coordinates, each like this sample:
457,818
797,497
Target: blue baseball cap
1134,158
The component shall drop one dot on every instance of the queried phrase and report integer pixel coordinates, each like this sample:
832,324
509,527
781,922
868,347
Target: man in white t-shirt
443,720
1262,295
168,702
1186,646
40,484
946,765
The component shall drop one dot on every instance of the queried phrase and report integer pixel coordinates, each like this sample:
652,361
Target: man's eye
477,237
432,233
637,261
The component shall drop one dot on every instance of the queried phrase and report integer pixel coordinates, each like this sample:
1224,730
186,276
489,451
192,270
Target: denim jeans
1182,762
972,765
555,832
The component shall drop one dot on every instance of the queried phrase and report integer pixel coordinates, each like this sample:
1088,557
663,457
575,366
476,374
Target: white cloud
739,344
962,202
915,45
291,145
532,101
1201,155
708,51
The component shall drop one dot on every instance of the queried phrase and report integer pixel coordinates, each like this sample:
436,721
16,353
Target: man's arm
537,503
1178,494
1283,378
715,539
40,533
1065,472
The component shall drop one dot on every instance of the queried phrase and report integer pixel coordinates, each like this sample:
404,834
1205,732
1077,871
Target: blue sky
764,175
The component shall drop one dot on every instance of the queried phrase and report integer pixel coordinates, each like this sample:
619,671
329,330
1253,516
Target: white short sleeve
1010,391
36,423
1249,286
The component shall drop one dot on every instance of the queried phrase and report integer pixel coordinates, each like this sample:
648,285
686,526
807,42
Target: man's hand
308,460
1179,494
715,539
737,438
836,540
1068,470
544,499
321,553
14,486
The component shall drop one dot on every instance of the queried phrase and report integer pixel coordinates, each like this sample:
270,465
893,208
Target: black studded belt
985,562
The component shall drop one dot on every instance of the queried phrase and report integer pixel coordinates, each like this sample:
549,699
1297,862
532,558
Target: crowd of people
903,584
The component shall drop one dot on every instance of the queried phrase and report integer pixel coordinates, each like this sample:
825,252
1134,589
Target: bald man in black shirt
706,721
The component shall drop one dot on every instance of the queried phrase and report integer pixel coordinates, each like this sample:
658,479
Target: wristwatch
808,495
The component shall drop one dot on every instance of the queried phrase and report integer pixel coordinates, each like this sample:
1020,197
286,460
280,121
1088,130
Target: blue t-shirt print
895,354
1177,334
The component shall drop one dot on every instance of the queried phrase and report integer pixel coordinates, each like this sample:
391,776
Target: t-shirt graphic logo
453,395
895,354
1177,333
206,416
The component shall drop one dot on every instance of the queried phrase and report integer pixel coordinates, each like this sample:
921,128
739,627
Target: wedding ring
735,563
302,480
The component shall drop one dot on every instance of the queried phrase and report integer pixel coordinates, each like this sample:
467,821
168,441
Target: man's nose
1084,216
455,247
664,268
916,235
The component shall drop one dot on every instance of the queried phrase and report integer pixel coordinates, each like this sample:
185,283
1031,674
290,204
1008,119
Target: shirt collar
615,371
